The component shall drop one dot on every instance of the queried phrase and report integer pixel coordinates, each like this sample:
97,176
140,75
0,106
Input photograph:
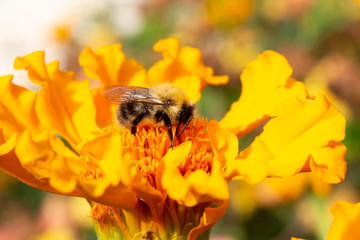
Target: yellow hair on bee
168,91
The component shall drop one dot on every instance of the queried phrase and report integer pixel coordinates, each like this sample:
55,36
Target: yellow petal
199,186
346,221
265,83
112,177
168,47
183,63
109,65
35,65
192,84
6,145
11,164
44,163
251,164
332,156
304,129
213,186
223,142
172,180
63,103
16,105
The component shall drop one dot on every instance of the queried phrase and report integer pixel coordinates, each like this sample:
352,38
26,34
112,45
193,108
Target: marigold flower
64,139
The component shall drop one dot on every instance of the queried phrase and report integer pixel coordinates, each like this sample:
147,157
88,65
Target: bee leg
162,116
177,129
137,121
182,130
171,137
133,129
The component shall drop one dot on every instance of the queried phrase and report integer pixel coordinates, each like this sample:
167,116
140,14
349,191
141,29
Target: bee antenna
187,123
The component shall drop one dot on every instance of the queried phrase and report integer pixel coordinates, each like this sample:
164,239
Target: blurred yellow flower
346,221
229,13
64,139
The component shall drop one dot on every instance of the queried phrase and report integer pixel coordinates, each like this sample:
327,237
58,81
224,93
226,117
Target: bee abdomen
131,113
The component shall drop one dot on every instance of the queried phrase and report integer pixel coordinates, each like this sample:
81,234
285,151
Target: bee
163,104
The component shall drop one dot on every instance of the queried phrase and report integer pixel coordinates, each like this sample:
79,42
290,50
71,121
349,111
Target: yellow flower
64,139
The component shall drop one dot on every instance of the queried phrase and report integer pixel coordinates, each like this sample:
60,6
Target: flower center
150,144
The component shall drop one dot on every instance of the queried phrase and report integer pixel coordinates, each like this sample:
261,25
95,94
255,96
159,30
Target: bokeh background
320,39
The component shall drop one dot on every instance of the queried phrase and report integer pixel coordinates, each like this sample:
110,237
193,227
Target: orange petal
346,221
105,109
265,83
63,103
304,129
109,65
210,217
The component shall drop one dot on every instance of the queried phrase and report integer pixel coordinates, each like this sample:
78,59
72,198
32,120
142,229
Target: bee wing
131,93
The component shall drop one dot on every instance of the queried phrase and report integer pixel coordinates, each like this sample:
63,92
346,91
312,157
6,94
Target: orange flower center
150,144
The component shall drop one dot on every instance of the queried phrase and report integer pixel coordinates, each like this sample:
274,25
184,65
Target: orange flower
64,139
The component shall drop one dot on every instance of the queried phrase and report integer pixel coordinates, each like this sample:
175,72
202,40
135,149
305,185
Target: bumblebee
164,105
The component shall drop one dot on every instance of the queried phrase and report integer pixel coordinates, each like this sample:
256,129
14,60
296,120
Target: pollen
151,143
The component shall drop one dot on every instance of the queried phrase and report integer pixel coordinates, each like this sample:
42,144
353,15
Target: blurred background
320,39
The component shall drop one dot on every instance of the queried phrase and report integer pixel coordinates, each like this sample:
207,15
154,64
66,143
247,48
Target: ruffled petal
301,130
332,156
109,65
16,104
63,103
47,157
28,172
183,67
305,136
346,221
266,83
